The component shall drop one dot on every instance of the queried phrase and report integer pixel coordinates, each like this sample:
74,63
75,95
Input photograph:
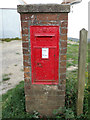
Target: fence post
81,70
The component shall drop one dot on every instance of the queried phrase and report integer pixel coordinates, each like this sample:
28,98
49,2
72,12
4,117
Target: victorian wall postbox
44,54
44,43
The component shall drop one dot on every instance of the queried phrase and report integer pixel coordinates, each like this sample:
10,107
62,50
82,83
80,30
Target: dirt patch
12,65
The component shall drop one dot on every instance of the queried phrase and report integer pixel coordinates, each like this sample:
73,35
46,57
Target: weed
5,77
15,65
9,39
22,70
9,83
18,53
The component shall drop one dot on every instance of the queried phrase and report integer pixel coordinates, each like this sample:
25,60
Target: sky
78,18
14,3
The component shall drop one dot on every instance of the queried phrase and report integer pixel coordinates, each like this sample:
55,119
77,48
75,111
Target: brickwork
44,98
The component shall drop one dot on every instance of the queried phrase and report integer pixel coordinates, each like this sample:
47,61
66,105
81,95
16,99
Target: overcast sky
14,3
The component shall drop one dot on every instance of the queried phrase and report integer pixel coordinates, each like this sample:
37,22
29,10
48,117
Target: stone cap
43,8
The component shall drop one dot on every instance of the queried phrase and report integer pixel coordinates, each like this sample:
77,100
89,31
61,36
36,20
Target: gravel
12,65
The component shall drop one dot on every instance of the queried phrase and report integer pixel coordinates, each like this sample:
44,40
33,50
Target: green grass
72,54
9,39
14,100
14,103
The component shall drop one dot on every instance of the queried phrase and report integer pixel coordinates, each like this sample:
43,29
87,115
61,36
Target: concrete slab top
42,8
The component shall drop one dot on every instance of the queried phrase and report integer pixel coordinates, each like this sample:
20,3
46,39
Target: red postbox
44,54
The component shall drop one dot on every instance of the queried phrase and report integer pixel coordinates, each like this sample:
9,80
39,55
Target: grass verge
14,103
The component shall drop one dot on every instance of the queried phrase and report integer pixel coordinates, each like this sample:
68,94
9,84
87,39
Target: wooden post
81,70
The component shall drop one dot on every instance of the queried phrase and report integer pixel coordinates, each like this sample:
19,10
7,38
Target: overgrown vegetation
69,111
9,39
14,100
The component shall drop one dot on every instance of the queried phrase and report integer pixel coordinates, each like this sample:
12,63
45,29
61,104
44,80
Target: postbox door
45,55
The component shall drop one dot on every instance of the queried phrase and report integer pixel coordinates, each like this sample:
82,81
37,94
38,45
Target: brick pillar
44,98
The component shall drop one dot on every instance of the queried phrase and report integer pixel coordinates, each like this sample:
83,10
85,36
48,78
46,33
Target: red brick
26,69
25,38
24,31
62,70
63,80
62,87
26,63
42,16
63,44
24,24
63,76
27,80
25,51
63,51
25,45
64,24
62,57
50,22
63,16
32,17
64,31
53,22
45,17
28,98
52,17
63,37
63,64
25,57
25,17
44,22
27,75
27,87
61,93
